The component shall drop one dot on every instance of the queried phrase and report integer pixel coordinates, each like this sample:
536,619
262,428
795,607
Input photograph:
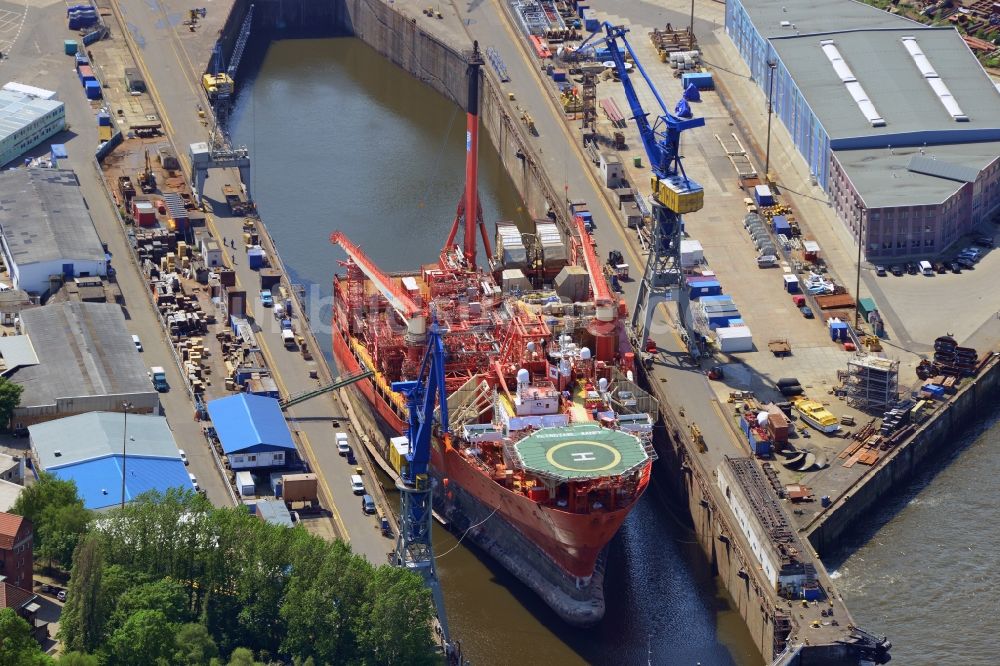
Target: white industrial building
27,119
46,232
74,358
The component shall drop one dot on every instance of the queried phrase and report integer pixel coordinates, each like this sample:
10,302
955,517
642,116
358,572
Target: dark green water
342,139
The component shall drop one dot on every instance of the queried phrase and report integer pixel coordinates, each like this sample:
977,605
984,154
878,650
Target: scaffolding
872,382
532,17
589,98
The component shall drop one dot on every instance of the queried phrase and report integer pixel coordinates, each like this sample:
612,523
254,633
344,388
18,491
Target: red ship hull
573,541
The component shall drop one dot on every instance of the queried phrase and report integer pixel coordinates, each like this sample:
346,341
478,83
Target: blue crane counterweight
414,550
674,193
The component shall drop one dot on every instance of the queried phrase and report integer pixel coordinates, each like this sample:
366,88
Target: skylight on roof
857,92
937,85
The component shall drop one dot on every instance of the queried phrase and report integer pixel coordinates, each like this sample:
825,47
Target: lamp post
771,65
691,29
125,407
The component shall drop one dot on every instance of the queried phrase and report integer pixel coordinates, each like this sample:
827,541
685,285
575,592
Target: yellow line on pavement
329,495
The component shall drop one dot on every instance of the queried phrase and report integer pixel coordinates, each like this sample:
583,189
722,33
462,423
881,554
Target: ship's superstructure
548,432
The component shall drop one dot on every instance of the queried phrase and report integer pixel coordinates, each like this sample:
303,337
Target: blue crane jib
673,193
421,395
670,184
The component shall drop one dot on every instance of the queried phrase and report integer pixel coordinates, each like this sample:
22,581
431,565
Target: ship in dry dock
550,440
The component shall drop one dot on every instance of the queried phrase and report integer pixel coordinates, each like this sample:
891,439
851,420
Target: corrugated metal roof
18,110
274,512
942,169
99,482
247,421
96,435
43,217
83,349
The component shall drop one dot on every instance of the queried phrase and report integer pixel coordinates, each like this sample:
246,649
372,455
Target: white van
137,342
357,485
926,268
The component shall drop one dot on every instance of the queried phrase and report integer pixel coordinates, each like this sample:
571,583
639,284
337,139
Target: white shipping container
692,253
41,93
734,339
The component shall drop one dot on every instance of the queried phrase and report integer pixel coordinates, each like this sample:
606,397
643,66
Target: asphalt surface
173,82
36,58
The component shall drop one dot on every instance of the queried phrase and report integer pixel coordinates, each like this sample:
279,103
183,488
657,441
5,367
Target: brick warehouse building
897,121
16,551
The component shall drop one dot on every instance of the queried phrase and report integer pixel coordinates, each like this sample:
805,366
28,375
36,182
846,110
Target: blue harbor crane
674,193
413,543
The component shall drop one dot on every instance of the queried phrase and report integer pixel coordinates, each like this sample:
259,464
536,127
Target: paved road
36,59
173,84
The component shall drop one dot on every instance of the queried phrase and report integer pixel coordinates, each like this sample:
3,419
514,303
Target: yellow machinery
217,84
571,102
698,438
678,194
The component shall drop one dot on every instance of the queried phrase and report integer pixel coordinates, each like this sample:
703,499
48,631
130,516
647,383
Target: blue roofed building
87,449
252,431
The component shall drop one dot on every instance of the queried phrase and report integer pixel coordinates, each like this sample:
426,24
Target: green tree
81,625
78,659
320,605
60,529
165,595
393,627
193,646
145,638
241,656
10,398
43,503
16,644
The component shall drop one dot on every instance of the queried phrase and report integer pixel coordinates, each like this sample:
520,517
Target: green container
70,46
637,162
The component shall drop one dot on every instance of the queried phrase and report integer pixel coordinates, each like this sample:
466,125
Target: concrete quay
430,49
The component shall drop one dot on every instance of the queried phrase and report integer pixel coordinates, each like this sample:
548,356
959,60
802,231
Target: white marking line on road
8,45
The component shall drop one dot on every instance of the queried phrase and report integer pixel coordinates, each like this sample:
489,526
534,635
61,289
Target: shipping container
735,339
70,46
300,487
701,80
762,195
791,284
245,484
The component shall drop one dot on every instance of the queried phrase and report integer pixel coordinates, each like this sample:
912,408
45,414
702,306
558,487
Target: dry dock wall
401,40
972,401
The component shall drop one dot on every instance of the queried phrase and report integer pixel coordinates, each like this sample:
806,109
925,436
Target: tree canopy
58,515
10,398
171,579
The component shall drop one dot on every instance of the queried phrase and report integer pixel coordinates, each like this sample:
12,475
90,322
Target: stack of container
700,286
81,16
718,309
754,426
552,243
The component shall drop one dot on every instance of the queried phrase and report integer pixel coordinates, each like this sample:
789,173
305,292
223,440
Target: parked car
911,268
61,595
806,311
367,504
880,270
965,261
351,460
137,342
940,267
984,241
342,446
266,299
194,481
184,457
357,485
956,267
897,270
